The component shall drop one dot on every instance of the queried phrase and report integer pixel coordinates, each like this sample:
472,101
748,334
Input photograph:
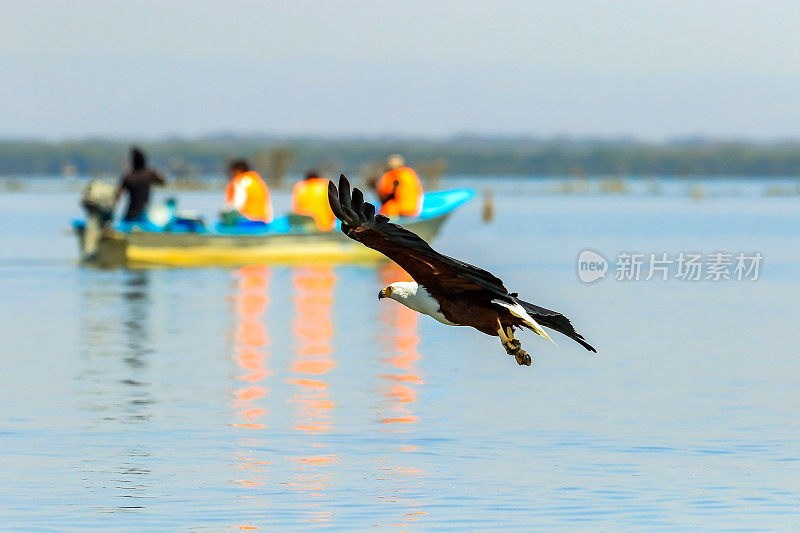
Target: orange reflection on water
400,390
313,330
403,340
250,353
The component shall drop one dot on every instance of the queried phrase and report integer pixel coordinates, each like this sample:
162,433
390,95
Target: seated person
247,194
399,189
137,183
310,198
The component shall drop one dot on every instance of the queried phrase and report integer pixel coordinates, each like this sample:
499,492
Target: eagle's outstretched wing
428,267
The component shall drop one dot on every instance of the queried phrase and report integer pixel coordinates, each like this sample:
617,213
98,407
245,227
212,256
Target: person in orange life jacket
399,189
310,198
137,183
247,193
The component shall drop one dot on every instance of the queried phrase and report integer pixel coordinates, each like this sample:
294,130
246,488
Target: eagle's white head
415,297
399,291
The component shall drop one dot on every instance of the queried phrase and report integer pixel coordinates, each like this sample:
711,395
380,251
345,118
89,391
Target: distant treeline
463,155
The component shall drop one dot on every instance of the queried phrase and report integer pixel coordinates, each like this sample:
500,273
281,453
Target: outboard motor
98,200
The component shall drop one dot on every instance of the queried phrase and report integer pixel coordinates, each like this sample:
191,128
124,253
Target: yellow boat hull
140,249
197,256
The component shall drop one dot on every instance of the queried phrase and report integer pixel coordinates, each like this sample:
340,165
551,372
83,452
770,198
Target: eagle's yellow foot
514,347
522,357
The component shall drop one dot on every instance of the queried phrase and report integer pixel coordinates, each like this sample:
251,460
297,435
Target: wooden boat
287,240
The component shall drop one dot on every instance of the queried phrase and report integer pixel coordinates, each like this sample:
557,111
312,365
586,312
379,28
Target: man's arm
119,190
159,179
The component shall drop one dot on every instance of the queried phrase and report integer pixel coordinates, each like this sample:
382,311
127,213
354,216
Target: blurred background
273,395
522,88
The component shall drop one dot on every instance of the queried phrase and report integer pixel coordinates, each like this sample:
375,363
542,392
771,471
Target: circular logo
591,266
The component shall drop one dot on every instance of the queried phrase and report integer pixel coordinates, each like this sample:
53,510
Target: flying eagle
451,291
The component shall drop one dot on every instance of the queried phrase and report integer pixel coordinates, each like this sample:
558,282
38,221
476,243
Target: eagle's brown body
467,312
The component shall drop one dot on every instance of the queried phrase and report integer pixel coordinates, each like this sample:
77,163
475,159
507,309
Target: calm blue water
289,397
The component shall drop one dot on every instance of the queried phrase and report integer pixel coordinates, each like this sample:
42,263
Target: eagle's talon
522,358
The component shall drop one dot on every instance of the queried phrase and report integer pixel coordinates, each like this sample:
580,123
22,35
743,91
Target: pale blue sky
651,69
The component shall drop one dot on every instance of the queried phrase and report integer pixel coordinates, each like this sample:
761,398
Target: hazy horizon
653,71
251,136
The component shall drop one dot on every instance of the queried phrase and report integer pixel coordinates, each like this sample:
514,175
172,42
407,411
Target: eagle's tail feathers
556,321
520,312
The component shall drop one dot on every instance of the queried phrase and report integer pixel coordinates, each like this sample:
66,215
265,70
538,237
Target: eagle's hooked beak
386,292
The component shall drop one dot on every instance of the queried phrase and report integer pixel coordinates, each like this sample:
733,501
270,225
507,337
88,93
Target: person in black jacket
137,183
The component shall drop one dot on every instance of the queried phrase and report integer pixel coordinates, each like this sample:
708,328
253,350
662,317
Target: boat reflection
313,330
307,392
312,361
251,354
400,390
402,342
114,381
310,398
